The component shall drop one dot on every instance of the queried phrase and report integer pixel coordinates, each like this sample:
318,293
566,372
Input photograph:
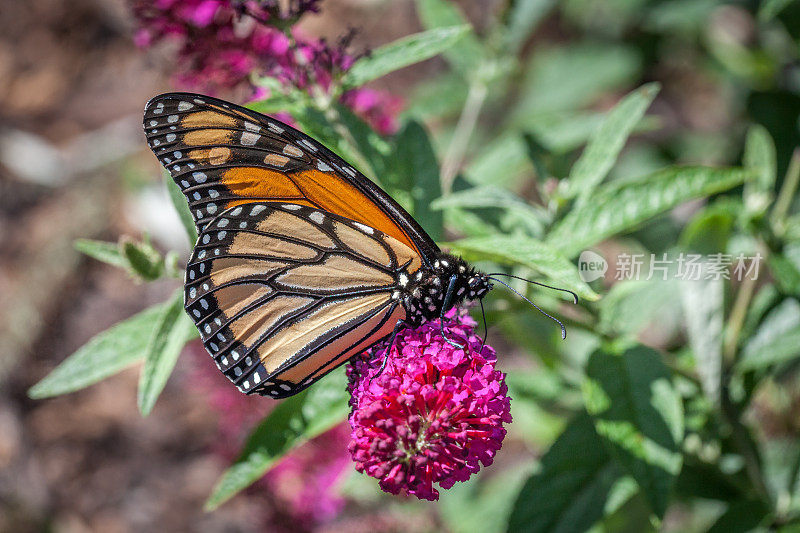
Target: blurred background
74,164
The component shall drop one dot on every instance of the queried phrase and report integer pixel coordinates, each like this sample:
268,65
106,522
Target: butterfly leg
397,327
448,301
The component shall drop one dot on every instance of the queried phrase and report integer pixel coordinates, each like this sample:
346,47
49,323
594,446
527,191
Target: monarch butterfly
301,261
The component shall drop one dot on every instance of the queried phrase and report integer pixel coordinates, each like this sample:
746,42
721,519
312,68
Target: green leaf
785,272
760,156
742,516
620,207
628,307
702,306
639,414
104,355
500,162
517,250
182,208
607,142
107,252
488,196
777,339
710,229
401,53
172,330
570,491
415,160
143,259
296,420
469,51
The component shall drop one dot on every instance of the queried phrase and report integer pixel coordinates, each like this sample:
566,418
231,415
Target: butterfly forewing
282,293
222,155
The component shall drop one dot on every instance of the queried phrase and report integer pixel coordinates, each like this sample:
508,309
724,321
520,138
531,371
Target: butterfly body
301,262
424,294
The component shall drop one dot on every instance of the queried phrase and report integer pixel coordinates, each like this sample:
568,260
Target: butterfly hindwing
282,293
222,155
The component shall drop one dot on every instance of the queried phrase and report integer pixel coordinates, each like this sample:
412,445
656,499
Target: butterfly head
478,285
470,284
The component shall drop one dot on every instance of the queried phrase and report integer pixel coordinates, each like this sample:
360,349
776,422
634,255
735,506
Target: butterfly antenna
551,317
574,296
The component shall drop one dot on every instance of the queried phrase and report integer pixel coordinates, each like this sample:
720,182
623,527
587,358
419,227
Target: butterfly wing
282,293
222,155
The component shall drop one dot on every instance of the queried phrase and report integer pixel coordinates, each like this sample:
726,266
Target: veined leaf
639,415
104,355
569,492
760,156
172,330
402,53
107,252
182,208
607,142
617,208
296,420
464,57
516,250
776,340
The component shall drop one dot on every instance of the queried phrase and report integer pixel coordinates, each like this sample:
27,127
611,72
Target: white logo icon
591,266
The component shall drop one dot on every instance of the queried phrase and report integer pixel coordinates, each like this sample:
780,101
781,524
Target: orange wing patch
223,156
260,183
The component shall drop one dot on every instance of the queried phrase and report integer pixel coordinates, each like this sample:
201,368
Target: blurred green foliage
672,404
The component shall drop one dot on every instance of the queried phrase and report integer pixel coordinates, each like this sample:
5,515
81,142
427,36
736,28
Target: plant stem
454,156
785,197
738,314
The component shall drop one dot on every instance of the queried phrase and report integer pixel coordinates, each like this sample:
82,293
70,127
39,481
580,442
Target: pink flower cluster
222,43
434,414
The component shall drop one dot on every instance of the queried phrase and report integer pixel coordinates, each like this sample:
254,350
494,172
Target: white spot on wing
183,106
364,228
257,209
251,127
249,138
317,217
